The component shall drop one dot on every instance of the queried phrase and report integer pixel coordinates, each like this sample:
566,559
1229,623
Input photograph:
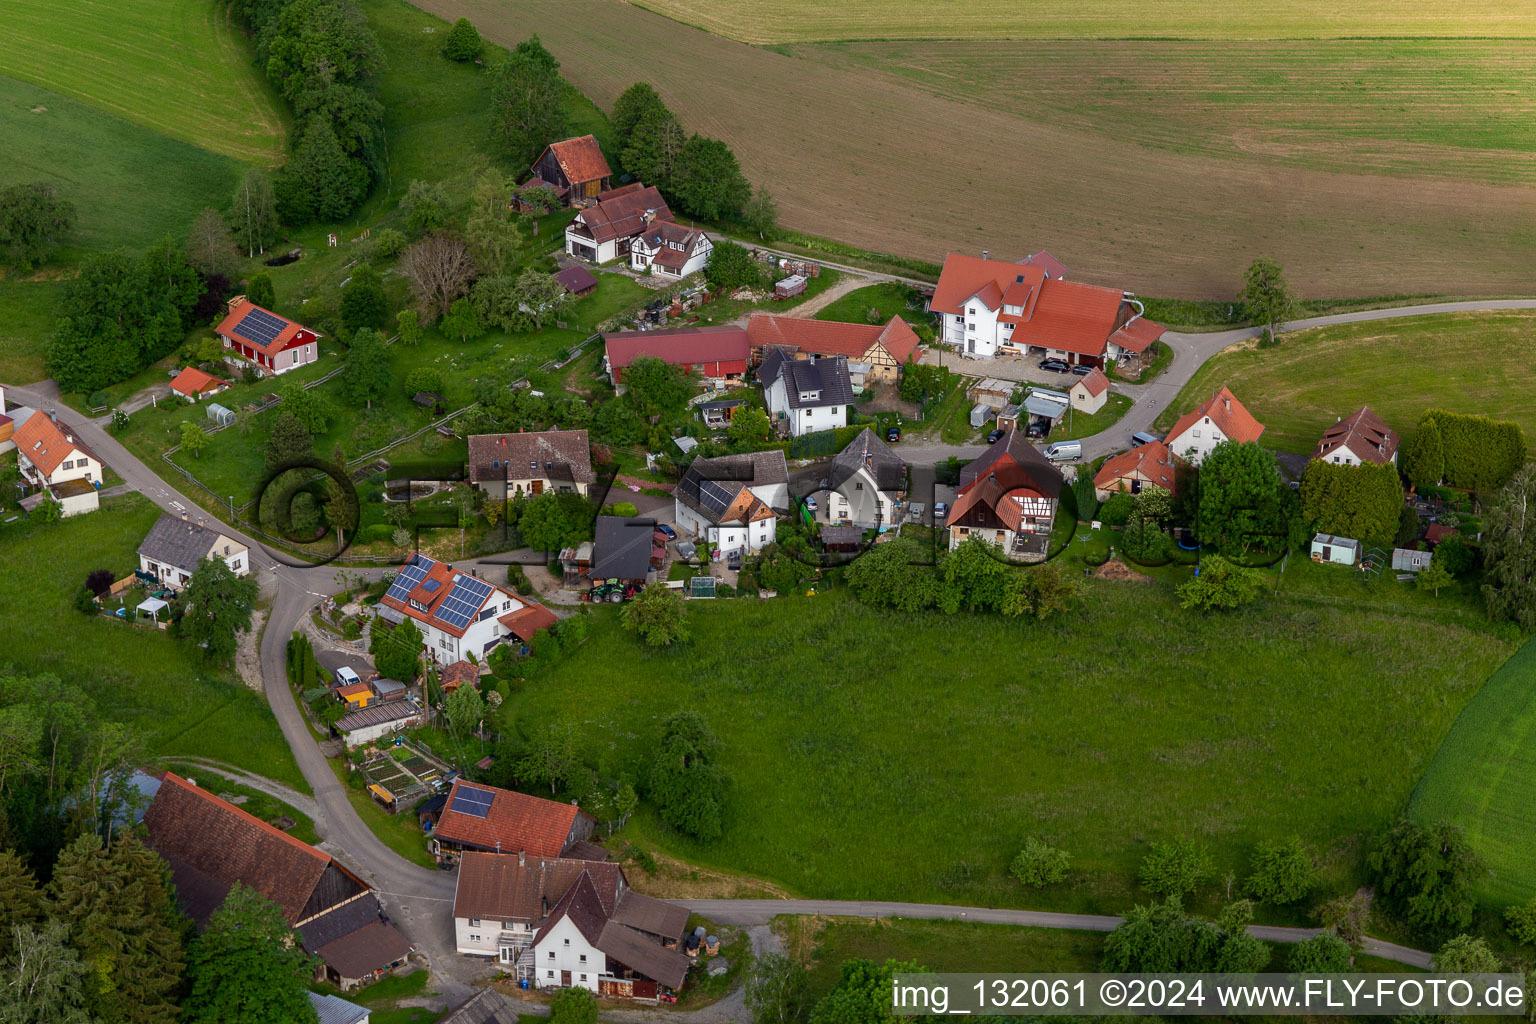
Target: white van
346,677
1064,451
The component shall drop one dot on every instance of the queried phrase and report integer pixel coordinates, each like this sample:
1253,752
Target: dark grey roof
1037,467
340,922
652,916
484,1007
621,548
174,542
842,534
644,955
710,485
729,403
335,1010
379,714
867,450
826,378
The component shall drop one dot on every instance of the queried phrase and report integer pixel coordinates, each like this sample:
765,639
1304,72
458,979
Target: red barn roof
510,822
1152,462
830,338
193,382
716,351
1137,335
580,158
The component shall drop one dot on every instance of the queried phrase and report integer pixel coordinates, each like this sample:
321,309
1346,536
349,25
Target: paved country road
419,897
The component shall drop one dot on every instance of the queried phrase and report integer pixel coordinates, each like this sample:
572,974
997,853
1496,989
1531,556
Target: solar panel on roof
431,586
714,497
474,802
410,575
260,326
463,602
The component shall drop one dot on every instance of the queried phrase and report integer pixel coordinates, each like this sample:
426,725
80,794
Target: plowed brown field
880,163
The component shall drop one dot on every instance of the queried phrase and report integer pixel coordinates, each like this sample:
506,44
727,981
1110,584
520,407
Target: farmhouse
458,614
607,228
574,168
669,249
717,354
1147,465
1089,393
495,820
515,465
1359,438
805,395
53,460
990,307
733,501
210,845
1007,498
864,483
626,550
192,384
1219,418
884,348
173,547
270,343
562,922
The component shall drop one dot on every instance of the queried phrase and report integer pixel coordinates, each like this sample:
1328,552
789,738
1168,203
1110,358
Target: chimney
647,217
1228,403
53,414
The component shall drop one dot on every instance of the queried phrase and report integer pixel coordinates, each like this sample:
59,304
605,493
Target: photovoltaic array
463,601
471,801
260,326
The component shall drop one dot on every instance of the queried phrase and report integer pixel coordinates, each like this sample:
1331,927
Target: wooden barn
575,168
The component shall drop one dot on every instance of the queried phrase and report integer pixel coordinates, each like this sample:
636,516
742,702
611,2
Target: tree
367,374
1046,591
193,437
632,105
1434,576
1466,954
253,212
522,303
1039,864
1175,868
463,42
974,579
464,708
731,266
658,388
488,227
573,1005
1283,871
1509,552
45,980
893,576
862,994
1346,916
1520,919
33,221
462,322
426,205
777,990
541,201
528,101
259,290
1160,937
424,378
217,608
1364,501
210,246
362,299
397,652
1221,584
1240,500
761,213
306,405
708,182
654,149
750,430
545,524
1424,873
1424,464
657,615
1154,504
408,323
624,802
321,182
1266,298
1479,453
289,441
248,966
1324,953
21,902
551,759
47,510
683,780
439,269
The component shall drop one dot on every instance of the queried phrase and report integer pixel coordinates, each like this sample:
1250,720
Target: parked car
664,528
1064,451
346,677
940,510
1054,365
1141,437
1081,370
810,504
893,434
994,437
1036,429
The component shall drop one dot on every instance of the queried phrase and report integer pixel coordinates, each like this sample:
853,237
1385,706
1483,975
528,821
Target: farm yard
1457,361
838,720
771,21
1120,211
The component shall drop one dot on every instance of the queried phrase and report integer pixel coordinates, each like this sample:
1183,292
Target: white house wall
562,948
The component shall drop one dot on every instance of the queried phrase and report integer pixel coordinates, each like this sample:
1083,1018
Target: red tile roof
1094,382
1054,314
576,280
193,382
47,444
1363,433
828,337
528,620
1152,462
514,823
716,350
581,159
621,212
965,276
354,690
451,676
504,888
1138,334
1236,422
1050,264
432,597
291,336
1438,532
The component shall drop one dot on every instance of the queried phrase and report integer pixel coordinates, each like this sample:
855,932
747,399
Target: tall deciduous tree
658,615
708,182
1240,501
632,105
306,405
253,212
1425,874
397,652
217,608
551,759
1267,299
1221,584
439,268
193,437
210,246
259,290
657,388
321,182
1424,463
778,990
732,266
426,205
33,220
1509,552
366,375
654,147
862,994
362,299
408,323
683,780
44,978
488,228
462,321
528,101
248,967
894,576
761,213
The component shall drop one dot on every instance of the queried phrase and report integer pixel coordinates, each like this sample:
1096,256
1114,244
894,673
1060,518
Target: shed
1046,405
842,538
1408,560
385,798
429,400
685,444
790,287
1008,419
980,414
220,415
389,689
1338,550
858,373
578,281
994,391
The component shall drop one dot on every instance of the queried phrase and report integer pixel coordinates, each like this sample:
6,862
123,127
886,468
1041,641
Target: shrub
463,42
386,243
97,400
1116,510
1521,921
1282,872
1324,953
1175,868
1456,555
1424,873
100,581
85,601
1143,541
1038,864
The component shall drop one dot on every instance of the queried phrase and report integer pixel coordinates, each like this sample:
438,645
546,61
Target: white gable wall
563,948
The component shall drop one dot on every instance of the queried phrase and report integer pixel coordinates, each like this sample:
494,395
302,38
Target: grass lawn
27,314
130,185
181,68
890,299
1484,779
1456,361
837,720
1080,425
399,832
144,678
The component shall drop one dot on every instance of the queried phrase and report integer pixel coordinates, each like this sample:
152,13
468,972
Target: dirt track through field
892,168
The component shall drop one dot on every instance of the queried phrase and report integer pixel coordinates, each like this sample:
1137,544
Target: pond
291,256
409,492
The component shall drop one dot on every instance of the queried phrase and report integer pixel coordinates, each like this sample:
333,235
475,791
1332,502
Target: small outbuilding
992,391
1409,560
1337,550
577,281
980,414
